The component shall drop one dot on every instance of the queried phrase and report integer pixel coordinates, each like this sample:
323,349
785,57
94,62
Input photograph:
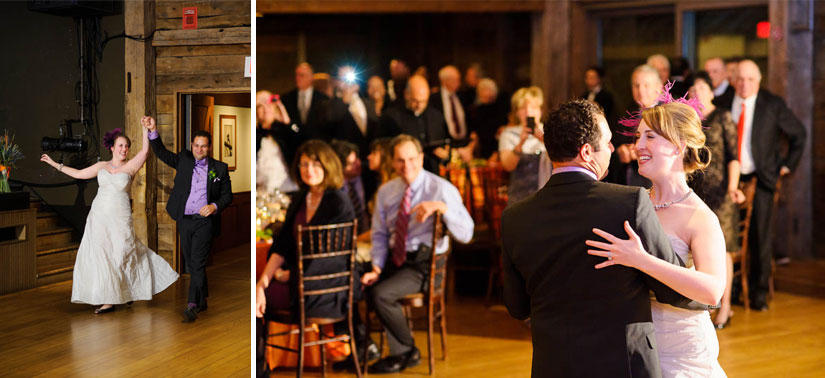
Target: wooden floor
787,341
43,334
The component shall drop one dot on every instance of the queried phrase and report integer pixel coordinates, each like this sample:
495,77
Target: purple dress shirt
197,193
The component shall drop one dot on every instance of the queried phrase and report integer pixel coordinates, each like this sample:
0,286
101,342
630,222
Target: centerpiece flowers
9,154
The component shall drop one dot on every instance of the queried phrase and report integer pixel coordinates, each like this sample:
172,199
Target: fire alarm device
190,18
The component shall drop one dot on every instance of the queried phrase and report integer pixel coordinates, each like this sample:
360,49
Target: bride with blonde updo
669,145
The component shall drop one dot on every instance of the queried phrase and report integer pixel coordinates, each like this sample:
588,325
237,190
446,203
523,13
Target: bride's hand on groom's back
628,252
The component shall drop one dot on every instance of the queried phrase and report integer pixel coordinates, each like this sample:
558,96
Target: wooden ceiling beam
264,7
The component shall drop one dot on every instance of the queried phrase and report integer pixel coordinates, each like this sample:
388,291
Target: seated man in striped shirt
401,242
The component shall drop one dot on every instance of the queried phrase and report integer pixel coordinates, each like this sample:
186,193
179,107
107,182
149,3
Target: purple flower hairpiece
110,137
635,118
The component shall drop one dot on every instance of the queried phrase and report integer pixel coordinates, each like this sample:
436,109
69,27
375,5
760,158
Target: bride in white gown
112,265
670,139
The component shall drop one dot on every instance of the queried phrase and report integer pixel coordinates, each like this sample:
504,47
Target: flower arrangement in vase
9,154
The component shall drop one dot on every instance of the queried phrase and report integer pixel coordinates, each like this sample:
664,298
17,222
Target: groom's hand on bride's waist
208,210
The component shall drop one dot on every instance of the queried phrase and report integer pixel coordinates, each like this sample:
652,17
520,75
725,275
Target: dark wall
39,71
819,127
500,42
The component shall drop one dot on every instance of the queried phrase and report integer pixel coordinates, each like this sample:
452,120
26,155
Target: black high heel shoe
101,310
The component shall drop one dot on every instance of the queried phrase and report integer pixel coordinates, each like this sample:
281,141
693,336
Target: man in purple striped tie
402,242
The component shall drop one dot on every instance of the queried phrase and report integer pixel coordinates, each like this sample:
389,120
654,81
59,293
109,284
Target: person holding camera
521,145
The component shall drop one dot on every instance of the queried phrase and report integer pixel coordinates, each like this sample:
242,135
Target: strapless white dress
112,265
686,340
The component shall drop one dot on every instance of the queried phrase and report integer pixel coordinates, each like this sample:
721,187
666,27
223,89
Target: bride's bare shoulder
703,221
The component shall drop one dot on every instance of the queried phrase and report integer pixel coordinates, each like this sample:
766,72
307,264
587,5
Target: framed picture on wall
228,140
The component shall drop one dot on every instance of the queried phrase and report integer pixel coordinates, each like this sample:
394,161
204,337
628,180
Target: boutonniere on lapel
213,176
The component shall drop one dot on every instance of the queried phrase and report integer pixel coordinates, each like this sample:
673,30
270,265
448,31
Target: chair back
327,243
495,189
438,262
749,188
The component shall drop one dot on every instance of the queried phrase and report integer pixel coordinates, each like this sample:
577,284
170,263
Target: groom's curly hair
569,126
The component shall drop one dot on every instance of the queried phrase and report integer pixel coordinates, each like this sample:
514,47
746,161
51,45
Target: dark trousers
196,241
760,239
395,283
261,367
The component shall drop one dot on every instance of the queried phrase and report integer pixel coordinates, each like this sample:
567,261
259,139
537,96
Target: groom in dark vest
586,322
201,190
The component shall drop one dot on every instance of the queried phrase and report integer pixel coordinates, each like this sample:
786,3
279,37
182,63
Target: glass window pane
627,41
731,33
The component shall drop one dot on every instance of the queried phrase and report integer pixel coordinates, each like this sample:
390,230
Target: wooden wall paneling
18,259
222,21
139,97
190,83
208,59
178,65
172,9
203,50
583,41
550,63
790,75
235,228
221,36
384,6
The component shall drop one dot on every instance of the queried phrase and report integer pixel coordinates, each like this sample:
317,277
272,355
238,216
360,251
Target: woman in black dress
718,184
320,201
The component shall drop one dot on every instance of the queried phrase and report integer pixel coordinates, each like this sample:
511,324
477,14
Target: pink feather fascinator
631,123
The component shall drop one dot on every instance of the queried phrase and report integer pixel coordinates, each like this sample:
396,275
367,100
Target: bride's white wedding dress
112,265
686,340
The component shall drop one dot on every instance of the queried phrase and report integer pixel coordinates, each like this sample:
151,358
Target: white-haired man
762,118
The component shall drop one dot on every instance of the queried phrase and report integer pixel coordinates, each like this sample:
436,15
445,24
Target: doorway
228,118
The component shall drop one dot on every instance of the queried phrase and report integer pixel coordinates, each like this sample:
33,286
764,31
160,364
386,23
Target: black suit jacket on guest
335,207
218,189
771,119
605,99
437,103
343,126
485,120
288,140
726,98
429,128
586,322
316,126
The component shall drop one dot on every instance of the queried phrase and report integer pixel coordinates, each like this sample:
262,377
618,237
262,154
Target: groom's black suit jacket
586,322
218,189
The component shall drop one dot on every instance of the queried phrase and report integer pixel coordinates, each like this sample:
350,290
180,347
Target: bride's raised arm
136,162
706,284
85,173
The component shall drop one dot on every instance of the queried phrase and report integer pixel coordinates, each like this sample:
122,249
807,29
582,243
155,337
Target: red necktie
399,250
741,127
458,129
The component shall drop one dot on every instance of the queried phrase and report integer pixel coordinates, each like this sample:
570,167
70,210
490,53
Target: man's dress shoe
349,365
394,364
189,315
